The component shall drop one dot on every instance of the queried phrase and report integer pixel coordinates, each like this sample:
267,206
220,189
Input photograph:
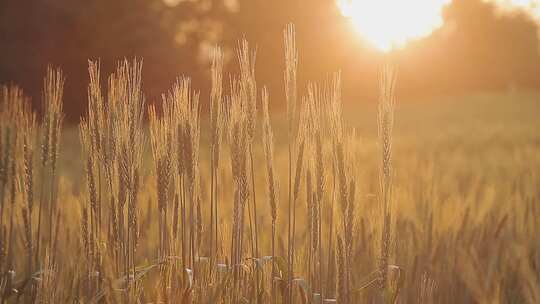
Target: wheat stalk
217,124
273,186
385,126
291,66
28,132
53,86
15,113
238,138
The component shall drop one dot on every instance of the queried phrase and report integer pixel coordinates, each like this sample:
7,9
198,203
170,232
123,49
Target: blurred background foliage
479,48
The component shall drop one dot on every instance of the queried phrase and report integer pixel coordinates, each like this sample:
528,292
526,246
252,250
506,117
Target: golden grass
439,205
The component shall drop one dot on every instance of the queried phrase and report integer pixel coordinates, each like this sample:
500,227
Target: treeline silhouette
479,48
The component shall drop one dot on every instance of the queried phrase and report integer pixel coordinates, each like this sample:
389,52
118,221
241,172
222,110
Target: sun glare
390,24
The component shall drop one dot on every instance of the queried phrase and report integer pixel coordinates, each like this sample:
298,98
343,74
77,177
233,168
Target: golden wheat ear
385,126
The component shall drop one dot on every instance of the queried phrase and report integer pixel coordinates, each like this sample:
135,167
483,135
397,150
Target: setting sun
389,24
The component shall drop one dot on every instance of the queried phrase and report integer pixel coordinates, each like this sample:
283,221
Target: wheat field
327,201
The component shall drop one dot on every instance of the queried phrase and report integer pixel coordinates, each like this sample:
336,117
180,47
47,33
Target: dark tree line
478,48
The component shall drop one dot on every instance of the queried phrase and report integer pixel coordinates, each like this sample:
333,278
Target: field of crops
321,201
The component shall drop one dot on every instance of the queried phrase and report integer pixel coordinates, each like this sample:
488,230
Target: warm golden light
390,24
